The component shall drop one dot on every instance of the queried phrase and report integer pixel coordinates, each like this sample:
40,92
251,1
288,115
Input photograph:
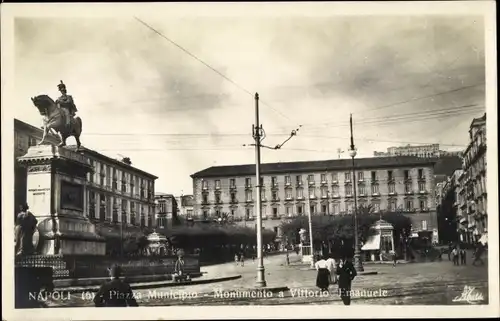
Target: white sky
142,97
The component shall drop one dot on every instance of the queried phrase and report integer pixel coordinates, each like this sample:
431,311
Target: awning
373,243
484,239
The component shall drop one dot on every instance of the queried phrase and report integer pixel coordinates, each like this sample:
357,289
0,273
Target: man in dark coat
116,292
26,224
346,273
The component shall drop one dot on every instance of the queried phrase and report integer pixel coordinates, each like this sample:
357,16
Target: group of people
459,255
331,271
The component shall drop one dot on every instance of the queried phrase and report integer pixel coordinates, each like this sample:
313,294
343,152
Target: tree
340,228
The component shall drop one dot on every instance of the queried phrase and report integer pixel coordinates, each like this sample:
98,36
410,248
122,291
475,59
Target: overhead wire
208,66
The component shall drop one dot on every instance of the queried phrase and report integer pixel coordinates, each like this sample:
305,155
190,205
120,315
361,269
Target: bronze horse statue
54,118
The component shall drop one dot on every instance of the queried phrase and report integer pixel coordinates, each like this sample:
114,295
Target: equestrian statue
59,116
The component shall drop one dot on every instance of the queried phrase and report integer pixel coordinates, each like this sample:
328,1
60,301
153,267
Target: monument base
66,235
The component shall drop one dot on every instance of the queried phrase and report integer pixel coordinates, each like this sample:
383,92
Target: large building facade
292,189
472,214
428,151
117,192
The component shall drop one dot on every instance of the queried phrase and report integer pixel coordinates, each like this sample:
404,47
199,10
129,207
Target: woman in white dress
323,277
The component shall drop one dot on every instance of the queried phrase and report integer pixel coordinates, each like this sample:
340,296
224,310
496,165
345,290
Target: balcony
361,180
336,196
425,209
335,182
219,202
275,199
312,197
324,196
408,192
422,192
232,188
300,198
275,187
275,217
264,217
390,180
421,179
250,218
248,187
347,181
363,195
374,181
288,184
349,196
407,180
375,194
233,201
311,183
298,184
249,201
324,183
205,202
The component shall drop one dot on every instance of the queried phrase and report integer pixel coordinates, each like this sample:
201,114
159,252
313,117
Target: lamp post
357,252
257,129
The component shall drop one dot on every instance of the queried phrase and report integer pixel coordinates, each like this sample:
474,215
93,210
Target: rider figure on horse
66,103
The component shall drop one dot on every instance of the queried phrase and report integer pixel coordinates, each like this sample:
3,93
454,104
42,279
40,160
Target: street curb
151,285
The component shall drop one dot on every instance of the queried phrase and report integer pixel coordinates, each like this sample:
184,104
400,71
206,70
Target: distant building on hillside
427,151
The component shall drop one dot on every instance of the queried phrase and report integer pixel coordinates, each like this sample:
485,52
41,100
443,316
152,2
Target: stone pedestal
56,189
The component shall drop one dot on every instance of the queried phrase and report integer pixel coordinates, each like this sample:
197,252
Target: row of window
119,180
310,179
336,208
477,141
325,192
109,208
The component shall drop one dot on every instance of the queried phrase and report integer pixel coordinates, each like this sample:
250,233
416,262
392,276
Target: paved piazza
433,283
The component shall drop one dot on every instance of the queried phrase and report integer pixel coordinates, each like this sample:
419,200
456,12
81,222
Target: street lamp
357,252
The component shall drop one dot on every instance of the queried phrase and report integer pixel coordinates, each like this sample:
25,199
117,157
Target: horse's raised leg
45,130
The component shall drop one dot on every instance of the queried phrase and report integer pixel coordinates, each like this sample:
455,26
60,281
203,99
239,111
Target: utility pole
257,128
357,252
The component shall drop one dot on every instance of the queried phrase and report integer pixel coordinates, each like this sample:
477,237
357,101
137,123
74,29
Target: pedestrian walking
323,276
477,255
463,257
287,257
116,292
394,258
346,273
236,259
242,258
454,254
332,268
450,249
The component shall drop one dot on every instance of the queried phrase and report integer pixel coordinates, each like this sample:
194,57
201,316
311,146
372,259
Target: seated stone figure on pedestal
26,224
